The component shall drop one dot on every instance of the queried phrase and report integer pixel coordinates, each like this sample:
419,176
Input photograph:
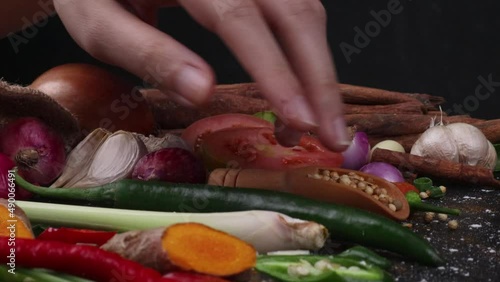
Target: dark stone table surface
472,251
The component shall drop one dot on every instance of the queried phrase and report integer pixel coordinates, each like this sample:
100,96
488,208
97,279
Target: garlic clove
472,145
490,160
436,142
114,160
80,157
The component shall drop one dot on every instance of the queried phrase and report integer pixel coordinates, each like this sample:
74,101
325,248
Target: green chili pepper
16,276
312,268
416,204
347,223
362,253
36,274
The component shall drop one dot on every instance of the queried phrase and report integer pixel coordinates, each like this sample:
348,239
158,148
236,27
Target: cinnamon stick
371,96
442,169
170,115
394,125
399,108
428,100
436,113
352,94
240,89
491,129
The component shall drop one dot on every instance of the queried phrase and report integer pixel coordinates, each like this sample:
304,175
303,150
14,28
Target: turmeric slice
185,246
14,222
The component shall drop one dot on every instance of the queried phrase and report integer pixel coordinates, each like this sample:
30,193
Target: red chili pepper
84,261
76,236
193,277
406,187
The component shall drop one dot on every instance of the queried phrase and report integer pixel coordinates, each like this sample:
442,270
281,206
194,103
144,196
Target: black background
435,47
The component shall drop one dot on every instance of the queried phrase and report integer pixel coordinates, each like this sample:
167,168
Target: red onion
37,151
6,181
358,153
174,165
383,170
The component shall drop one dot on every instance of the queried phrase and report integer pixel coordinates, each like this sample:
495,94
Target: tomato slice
406,187
258,148
194,133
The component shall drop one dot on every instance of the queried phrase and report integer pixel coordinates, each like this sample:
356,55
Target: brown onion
36,149
97,97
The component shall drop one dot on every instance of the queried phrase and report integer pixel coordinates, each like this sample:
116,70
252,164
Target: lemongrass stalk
267,231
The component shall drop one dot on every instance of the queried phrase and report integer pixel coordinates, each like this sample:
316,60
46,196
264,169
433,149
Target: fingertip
334,134
192,86
298,114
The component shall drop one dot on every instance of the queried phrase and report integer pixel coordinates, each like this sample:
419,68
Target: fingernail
299,111
340,132
192,84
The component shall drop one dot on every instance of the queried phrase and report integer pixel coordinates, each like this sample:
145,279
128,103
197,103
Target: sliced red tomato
406,187
258,148
194,133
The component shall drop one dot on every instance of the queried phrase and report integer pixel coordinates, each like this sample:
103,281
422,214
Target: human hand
281,43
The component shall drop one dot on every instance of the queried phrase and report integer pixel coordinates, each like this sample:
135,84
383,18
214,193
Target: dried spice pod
334,185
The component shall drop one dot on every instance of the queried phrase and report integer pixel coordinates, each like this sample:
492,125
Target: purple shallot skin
175,165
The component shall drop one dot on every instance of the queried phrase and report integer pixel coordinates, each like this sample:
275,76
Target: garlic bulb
457,142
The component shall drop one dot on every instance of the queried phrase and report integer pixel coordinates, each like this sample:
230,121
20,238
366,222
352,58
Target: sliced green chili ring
278,268
344,269
435,192
423,184
363,253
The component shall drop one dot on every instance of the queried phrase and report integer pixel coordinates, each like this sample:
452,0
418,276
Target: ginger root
186,246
